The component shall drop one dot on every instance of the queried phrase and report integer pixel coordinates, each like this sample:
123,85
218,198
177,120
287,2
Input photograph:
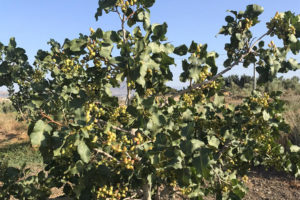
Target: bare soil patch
271,185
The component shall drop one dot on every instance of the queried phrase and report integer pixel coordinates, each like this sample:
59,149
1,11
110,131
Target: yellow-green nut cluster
232,161
91,48
125,4
204,73
225,189
213,85
186,191
278,16
128,162
91,89
269,148
139,139
261,138
248,23
97,63
272,45
119,111
198,51
280,26
131,84
111,193
173,183
93,110
292,29
276,20
149,92
95,139
68,150
68,65
92,30
199,48
245,179
111,137
264,101
188,99
37,76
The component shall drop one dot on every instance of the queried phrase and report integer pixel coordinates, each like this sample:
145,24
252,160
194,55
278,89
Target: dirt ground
272,186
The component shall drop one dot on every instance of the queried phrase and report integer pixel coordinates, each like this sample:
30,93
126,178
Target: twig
22,114
50,119
224,148
116,128
107,155
123,20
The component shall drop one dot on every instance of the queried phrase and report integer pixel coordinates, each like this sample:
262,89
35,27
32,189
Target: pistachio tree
159,143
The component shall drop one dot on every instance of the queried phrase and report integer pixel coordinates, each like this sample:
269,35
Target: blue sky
34,22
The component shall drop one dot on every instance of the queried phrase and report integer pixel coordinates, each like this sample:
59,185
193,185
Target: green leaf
292,38
37,133
295,47
106,50
193,47
229,19
295,149
111,37
159,31
187,115
77,45
189,146
98,34
80,116
219,100
201,163
261,44
37,102
148,3
266,115
181,50
104,5
253,11
84,152
213,141
146,21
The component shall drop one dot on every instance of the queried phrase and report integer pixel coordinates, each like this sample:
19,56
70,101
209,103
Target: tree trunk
254,77
147,191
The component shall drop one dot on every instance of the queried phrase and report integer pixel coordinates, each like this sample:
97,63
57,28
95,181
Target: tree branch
117,128
50,119
107,155
198,85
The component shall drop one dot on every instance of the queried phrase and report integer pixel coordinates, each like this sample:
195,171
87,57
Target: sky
34,22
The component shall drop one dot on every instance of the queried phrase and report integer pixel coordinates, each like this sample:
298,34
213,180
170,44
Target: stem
147,191
128,94
116,128
254,77
107,155
50,119
123,20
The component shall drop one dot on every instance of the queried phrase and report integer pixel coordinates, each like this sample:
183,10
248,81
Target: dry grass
11,130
